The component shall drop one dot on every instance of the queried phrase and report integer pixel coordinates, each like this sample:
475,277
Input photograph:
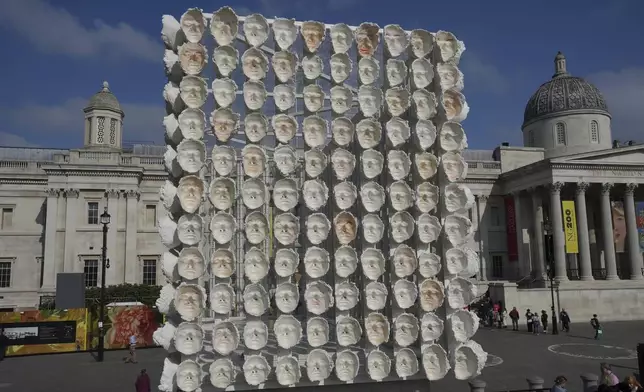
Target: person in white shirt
132,357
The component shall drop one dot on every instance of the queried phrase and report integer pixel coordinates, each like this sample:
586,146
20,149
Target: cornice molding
92,173
603,166
23,181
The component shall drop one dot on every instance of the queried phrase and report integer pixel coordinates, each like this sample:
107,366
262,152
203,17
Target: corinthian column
71,239
49,270
131,236
537,227
585,264
607,234
634,253
483,227
559,240
112,277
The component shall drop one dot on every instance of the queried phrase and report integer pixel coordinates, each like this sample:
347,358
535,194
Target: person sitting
560,384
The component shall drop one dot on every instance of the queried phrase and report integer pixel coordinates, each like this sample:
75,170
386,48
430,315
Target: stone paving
514,356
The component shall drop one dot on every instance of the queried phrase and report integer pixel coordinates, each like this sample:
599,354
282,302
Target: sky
60,52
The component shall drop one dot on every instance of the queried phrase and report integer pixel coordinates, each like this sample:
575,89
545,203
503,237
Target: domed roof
104,99
564,93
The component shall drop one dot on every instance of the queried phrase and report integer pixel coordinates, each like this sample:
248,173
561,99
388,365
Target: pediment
631,155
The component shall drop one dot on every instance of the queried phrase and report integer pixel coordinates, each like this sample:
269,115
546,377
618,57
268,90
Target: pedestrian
528,319
607,376
503,314
632,385
4,344
560,384
142,383
536,324
594,322
132,357
565,320
514,316
544,321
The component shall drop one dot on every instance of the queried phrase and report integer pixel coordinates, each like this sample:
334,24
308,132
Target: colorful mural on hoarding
639,214
125,321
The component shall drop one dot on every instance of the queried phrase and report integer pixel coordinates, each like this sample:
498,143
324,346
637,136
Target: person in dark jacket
528,319
544,321
142,383
565,320
4,344
514,316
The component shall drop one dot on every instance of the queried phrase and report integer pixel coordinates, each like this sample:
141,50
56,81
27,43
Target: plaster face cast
254,160
225,92
376,293
222,373
468,359
168,196
399,164
377,327
406,363
188,376
318,365
166,296
425,104
426,197
224,26
369,133
460,293
171,33
463,325
348,331
346,227
343,163
287,371
370,100
171,93
284,65
406,329
398,131
317,228
255,335
287,228
313,97
373,263
398,101
288,331
455,166
222,263
313,34
286,297
450,77
458,229
188,338
222,298
346,261
285,32
190,191
194,91
346,295
429,264
256,29
285,126
432,295
422,42
170,365
429,227
168,231
316,262
255,300
425,134
284,96
453,137
254,193
341,67
456,108
256,370
193,24
368,70
192,123
255,127
345,194
458,197
312,66
223,226
315,161
396,40
315,194
254,94
450,48
373,196
341,99
317,331
191,155
342,130
401,196
422,73
318,297
286,262
435,362
256,227
341,38
189,301
190,229
285,194
172,130
405,294
191,264
372,163
404,261
226,59
192,58
315,129
396,72
224,123
347,365
431,327
169,266
222,193
367,37
256,265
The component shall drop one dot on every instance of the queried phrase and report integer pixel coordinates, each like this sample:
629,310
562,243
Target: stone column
481,203
585,263
518,227
558,238
607,234
49,258
131,259
634,253
112,196
539,250
70,231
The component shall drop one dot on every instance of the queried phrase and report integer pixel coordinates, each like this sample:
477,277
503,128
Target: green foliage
124,293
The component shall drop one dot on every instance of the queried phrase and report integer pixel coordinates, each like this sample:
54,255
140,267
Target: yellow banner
570,226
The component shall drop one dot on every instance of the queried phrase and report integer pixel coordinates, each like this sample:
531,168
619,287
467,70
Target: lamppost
105,264
547,232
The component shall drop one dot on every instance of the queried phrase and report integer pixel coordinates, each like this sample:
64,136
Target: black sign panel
43,332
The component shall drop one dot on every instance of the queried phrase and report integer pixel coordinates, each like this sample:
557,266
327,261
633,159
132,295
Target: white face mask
348,331
368,70
222,193
190,229
255,227
254,94
222,263
405,294
284,66
285,32
287,228
255,335
432,295
285,127
347,364
376,295
191,264
189,300
398,164
253,160
373,263
190,191
188,376
341,38
422,73
224,159
287,297
425,134
256,265
398,131
285,159
342,130
452,137
345,195
373,196
341,99
341,67
285,194
224,26
396,72
315,193
286,261
450,47
346,261
400,196
343,163
369,133
224,123
193,24
188,338
316,262
435,362
191,155
255,300
312,67
402,226
318,297
254,193
287,371
377,327
426,197
404,261
372,163
313,34
396,39
315,161
192,58
256,29
421,42
284,96
314,129
458,229
318,365
458,197
222,373
225,92
256,370
255,127
406,329
460,291
193,91
192,123
429,227
226,60
425,104
450,76
346,295
370,100
317,331
288,331
317,228
429,264
222,298
406,363
223,227
431,327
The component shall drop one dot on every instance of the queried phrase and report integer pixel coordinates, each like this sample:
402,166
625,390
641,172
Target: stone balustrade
589,383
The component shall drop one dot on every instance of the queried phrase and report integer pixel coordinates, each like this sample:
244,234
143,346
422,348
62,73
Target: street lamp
105,220
547,231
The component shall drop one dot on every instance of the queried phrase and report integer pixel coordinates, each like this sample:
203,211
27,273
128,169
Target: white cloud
11,140
55,30
482,76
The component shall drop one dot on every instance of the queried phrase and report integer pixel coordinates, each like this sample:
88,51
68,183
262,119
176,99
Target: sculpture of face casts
460,293
287,297
194,91
190,301
188,376
314,129
373,196
168,231
368,70
435,362
432,295
222,373
285,194
373,263
396,71
224,123
191,264
422,73
171,33
404,261
313,34
341,67
342,130
377,327
188,338
376,295
450,48
288,331
458,197
171,94
190,229
425,104
422,42
317,331
222,193
284,97
370,100
256,370
312,66
166,295
405,294
315,161
346,295
398,131
346,227
372,228
431,327
222,298
316,262
458,229
223,226
406,363
318,297
397,99
341,99
169,266
341,38
345,194
255,95
192,123
452,137
367,37
172,131
285,32
456,108
318,365
225,92
317,228
372,163
286,262
399,164
256,29
287,228
396,40
224,26
450,76
400,195
429,227
223,263
255,335
426,197
285,159
191,155
429,264
193,58
425,133
463,325
346,261
287,370
284,65
254,193
256,227
369,133
193,25
255,299
226,59
285,126
168,196
406,329
348,330
343,163
255,127
256,265
190,191
313,98
254,160
315,194
469,359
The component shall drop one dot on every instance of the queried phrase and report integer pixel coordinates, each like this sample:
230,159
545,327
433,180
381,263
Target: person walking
594,322
544,321
132,356
560,384
142,383
528,318
514,316
536,324
632,385
565,320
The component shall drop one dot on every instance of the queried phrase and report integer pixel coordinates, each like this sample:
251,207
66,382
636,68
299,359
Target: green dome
105,100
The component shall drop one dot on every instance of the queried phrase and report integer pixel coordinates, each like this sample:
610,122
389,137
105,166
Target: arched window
594,132
560,130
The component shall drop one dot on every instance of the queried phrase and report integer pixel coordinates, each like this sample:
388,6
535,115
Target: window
7,218
91,273
495,216
150,215
560,129
594,132
5,273
497,266
92,213
149,272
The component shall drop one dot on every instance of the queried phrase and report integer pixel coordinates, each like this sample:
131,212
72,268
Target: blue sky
57,53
